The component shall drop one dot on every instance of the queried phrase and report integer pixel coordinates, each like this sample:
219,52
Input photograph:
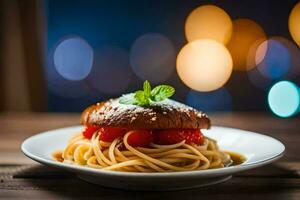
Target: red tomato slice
108,134
173,136
140,138
89,131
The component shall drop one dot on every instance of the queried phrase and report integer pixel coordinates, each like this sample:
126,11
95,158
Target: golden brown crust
163,115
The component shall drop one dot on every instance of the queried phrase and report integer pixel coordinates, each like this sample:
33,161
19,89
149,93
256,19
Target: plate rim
204,173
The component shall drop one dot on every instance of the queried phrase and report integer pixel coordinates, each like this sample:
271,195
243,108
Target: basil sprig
146,96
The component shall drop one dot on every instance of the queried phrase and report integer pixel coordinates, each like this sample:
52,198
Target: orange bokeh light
208,22
294,23
246,37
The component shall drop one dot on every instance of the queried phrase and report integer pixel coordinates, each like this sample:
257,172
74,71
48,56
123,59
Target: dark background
121,22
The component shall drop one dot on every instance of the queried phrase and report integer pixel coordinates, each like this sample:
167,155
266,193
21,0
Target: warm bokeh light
277,60
283,99
294,23
152,57
208,22
73,58
218,100
111,73
204,65
246,35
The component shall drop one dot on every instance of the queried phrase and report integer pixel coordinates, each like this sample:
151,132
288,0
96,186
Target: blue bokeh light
218,100
61,87
283,99
277,60
73,58
294,69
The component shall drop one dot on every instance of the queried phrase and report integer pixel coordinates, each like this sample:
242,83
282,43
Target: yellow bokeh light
246,35
204,65
208,22
294,23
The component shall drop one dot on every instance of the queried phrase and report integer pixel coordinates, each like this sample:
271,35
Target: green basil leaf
145,96
147,89
162,92
141,98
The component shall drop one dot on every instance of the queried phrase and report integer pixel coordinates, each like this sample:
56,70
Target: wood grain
21,178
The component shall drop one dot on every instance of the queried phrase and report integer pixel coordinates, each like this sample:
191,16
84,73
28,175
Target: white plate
258,149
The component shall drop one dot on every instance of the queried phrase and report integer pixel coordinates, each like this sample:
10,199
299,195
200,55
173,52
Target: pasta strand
181,156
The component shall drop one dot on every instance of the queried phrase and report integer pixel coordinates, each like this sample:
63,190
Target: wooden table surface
21,178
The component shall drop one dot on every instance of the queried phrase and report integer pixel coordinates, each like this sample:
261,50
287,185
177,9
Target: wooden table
21,178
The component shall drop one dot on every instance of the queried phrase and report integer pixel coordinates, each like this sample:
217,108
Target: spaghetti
118,155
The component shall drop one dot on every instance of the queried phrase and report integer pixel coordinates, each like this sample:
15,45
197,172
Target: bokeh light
257,53
285,61
204,65
294,21
276,61
283,99
73,58
218,100
208,22
111,73
152,57
246,35
62,87
294,52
